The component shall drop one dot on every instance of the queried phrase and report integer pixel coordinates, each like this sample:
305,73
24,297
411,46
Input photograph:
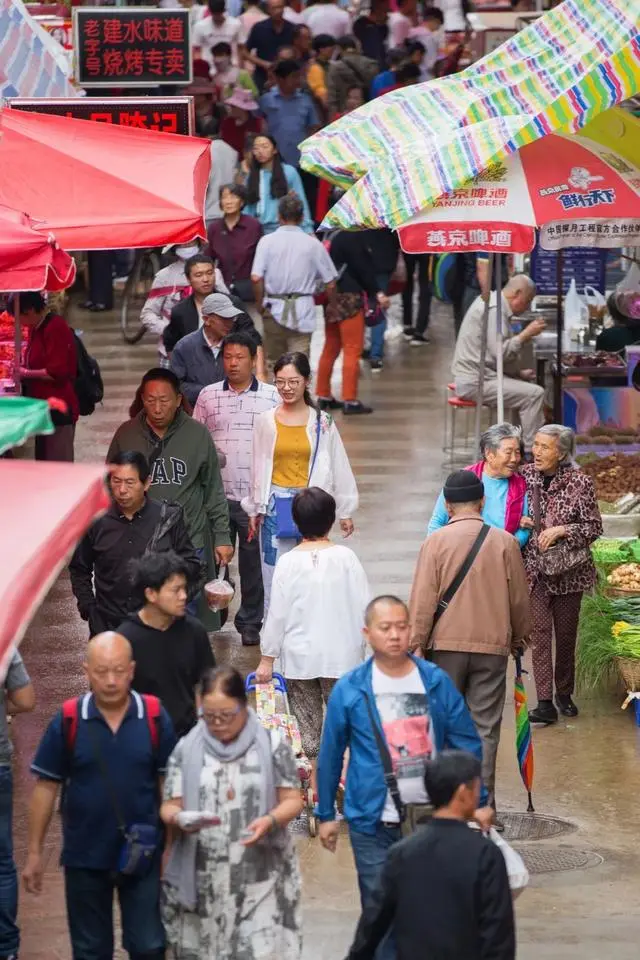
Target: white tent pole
499,357
483,355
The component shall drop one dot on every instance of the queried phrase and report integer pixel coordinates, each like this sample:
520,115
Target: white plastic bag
594,298
516,870
576,314
630,283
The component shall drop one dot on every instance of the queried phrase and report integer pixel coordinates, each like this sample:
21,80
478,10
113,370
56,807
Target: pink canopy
28,259
44,510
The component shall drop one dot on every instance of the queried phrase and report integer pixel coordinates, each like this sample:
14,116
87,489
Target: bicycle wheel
136,291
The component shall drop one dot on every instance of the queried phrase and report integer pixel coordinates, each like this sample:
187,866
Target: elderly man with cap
197,358
470,607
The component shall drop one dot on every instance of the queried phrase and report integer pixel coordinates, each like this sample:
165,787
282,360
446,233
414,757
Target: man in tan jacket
484,622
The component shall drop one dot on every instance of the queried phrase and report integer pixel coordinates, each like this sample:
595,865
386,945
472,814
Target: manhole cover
533,826
539,859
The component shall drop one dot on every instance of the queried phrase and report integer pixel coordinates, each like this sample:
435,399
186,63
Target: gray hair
520,282
493,437
291,209
566,439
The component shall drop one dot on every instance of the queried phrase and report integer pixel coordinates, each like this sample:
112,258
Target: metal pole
557,376
499,357
483,353
17,343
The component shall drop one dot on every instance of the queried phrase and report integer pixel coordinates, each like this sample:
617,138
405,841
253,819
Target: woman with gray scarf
231,886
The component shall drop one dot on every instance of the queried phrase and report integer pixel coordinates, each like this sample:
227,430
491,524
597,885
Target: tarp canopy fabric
30,260
21,418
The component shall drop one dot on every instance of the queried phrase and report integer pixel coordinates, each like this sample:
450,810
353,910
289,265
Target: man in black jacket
444,891
100,578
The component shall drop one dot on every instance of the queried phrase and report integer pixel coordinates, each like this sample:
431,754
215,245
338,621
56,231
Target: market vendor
505,500
50,371
624,309
519,393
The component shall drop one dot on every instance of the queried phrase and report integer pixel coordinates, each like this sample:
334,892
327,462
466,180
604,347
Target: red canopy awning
44,510
98,186
28,259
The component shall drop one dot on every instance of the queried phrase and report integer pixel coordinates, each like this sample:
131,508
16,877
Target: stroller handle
278,681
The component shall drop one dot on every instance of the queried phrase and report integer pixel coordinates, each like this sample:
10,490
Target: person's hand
328,833
383,300
485,817
347,527
254,527
533,329
519,646
224,555
258,829
33,873
264,672
527,375
548,537
526,523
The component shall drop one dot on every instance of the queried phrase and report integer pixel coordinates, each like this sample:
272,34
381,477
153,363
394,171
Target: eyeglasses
220,716
281,384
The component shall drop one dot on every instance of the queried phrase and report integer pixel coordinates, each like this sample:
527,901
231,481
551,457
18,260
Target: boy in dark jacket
444,890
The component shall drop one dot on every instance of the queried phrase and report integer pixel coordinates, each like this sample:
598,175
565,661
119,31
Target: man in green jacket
184,462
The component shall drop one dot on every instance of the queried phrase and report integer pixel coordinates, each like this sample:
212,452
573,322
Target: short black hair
217,6
221,48
286,68
322,41
30,300
433,13
237,189
347,43
132,458
415,46
152,570
408,71
227,679
314,511
388,598
195,260
161,373
240,338
448,771
396,56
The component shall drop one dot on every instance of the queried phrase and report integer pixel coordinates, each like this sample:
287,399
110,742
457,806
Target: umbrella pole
499,357
557,377
483,352
17,343
530,807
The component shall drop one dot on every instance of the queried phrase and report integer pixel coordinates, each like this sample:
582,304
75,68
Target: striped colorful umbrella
398,154
524,743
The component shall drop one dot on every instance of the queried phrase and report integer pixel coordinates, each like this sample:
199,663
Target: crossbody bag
286,527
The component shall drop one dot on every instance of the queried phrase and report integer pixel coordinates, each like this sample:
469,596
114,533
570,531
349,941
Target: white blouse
316,615
331,472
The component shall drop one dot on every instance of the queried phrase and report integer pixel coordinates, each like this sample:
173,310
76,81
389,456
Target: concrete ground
587,770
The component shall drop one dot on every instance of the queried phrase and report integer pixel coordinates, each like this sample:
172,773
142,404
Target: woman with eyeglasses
295,445
231,887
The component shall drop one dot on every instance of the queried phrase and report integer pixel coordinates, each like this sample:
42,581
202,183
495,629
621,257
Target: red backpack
71,715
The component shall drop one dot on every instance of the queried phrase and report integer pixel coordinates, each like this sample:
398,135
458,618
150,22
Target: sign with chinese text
587,267
131,46
170,115
591,233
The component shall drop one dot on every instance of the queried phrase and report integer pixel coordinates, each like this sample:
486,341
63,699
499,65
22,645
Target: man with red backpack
109,749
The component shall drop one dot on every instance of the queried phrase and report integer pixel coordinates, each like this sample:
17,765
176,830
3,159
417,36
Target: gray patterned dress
248,897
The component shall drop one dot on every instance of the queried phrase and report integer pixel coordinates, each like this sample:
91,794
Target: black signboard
131,46
586,265
170,114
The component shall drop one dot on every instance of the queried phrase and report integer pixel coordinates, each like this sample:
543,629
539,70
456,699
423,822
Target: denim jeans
9,933
90,914
377,338
370,853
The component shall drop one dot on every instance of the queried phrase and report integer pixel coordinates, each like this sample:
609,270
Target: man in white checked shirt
227,409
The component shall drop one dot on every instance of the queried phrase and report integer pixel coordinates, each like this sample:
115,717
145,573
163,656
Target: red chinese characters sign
131,46
171,115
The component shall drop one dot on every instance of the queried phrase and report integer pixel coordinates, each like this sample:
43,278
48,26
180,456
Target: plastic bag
218,593
594,298
516,870
576,314
630,283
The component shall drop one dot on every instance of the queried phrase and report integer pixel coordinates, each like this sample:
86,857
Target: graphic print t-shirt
402,705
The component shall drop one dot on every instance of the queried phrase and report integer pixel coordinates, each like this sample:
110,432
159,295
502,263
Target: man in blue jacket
419,713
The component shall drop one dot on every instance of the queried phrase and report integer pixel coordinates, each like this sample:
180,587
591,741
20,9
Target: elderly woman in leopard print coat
568,510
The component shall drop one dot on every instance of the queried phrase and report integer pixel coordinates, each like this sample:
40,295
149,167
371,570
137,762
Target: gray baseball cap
221,305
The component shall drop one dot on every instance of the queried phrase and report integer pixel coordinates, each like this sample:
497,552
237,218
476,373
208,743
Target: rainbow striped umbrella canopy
398,154
524,744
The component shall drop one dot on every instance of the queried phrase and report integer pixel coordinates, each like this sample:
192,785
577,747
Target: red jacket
52,348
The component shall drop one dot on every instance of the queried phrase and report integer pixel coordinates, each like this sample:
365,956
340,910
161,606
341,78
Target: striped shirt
229,417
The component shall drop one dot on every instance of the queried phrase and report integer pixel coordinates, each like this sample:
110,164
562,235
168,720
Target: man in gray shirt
16,696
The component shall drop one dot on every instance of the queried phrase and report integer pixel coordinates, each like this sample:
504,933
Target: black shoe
376,366
498,825
250,637
85,305
566,706
408,332
366,353
356,407
418,339
545,713
330,403
99,308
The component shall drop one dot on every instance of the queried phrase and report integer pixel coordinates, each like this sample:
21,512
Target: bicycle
139,282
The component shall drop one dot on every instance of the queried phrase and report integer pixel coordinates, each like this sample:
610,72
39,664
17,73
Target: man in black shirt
372,30
171,650
266,38
100,577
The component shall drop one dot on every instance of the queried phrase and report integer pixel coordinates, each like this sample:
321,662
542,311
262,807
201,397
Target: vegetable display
614,475
626,577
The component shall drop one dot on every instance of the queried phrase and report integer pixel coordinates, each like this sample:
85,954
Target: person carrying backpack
109,749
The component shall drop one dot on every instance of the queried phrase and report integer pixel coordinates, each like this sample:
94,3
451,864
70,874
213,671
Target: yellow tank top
291,456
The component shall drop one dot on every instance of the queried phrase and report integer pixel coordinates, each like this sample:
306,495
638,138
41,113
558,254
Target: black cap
463,487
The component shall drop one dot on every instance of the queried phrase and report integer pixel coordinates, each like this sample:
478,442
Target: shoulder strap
385,757
456,583
165,522
70,711
535,501
315,452
152,709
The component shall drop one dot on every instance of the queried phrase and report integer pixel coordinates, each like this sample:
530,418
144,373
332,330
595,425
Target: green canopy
21,418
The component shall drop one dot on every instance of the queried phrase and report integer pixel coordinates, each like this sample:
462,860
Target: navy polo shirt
91,838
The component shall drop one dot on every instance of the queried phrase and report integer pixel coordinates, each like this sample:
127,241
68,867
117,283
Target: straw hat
243,99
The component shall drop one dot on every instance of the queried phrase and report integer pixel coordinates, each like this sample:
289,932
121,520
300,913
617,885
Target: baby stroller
270,696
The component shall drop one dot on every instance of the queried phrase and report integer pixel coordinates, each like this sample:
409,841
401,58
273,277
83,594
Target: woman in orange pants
344,324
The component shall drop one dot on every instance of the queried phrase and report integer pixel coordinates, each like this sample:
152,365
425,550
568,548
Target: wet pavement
587,770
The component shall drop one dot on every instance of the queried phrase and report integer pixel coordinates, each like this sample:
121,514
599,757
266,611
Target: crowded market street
587,769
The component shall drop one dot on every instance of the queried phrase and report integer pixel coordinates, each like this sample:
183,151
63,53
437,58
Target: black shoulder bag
457,581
